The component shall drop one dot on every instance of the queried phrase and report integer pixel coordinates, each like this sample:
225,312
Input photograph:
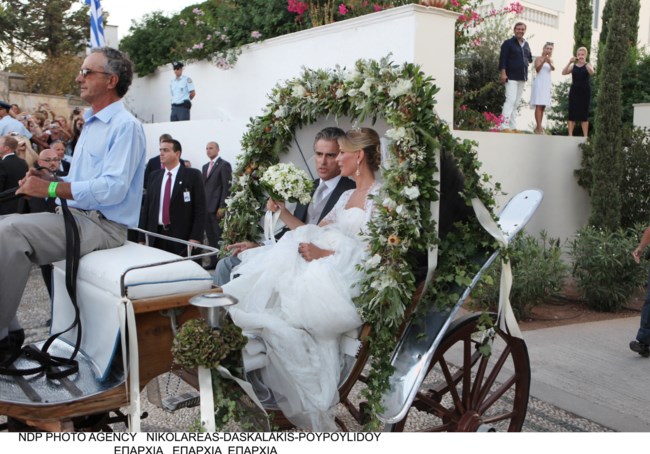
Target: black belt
178,105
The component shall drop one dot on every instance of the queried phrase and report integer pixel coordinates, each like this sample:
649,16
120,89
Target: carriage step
186,400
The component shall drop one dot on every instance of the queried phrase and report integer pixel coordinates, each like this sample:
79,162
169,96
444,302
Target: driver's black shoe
8,352
10,347
17,337
641,348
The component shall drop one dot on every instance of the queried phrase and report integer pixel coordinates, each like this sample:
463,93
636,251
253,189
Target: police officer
182,91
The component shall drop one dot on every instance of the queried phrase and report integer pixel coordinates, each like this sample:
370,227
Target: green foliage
478,90
538,272
34,30
198,345
558,112
635,185
606,162
603,267
53,76
635,182
582,27
604,30
151,42
212,30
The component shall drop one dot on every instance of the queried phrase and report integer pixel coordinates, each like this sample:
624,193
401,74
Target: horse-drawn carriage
465,373
439,369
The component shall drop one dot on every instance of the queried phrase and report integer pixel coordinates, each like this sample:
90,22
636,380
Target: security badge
186,194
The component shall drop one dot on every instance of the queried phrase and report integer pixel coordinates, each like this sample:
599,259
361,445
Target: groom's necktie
317,204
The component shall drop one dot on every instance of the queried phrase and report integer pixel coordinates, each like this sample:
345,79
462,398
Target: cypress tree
607,164
582,27
604,29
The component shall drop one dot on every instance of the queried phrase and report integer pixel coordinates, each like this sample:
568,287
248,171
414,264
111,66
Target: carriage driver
103,189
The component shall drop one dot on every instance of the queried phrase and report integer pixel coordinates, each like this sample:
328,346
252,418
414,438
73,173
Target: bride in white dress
540,95
297,294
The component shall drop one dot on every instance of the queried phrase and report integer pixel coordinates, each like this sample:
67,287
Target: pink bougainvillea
494,119
298,7
343,10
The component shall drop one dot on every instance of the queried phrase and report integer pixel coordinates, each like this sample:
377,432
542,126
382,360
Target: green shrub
635,186
635,183
538,272
603,267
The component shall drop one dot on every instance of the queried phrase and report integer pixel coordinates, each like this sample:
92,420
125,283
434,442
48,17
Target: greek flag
96,24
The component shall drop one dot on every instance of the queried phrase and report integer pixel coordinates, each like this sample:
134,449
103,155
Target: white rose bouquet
286,182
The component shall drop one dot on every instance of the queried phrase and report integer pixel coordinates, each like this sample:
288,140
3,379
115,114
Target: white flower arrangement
286,182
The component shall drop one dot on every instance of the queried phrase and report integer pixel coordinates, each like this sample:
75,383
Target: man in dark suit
217,175
154,163
64,166
326,149
175,201
12,170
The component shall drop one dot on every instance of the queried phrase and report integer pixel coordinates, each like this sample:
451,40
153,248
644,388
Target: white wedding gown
300,309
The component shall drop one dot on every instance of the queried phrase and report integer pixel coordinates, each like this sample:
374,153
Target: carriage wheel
467,391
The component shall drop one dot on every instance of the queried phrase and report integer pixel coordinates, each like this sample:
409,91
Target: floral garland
405,98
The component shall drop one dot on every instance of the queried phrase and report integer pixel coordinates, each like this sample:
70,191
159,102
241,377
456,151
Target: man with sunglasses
103,190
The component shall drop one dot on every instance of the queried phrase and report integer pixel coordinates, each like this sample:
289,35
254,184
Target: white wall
524,161
226,99
642,115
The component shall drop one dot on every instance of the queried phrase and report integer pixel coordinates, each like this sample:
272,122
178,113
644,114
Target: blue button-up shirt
180,89
107,169
515,58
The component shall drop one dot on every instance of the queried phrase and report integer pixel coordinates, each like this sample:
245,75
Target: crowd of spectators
43,127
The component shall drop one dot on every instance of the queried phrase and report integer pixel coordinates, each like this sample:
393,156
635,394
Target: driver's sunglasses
85,72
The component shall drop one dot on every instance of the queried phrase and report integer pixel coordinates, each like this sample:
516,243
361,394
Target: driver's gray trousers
39,238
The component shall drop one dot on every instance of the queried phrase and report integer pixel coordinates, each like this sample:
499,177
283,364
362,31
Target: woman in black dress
580,91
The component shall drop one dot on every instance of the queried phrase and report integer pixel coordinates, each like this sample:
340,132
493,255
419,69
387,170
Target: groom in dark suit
217,176
330,182
175,202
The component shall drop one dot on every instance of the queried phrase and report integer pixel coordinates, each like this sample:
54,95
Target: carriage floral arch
405,97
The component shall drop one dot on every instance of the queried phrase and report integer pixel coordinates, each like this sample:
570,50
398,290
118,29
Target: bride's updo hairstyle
365,139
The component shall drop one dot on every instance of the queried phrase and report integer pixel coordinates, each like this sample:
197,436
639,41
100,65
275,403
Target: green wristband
51,191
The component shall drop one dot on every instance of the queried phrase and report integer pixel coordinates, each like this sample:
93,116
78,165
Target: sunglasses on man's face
85,72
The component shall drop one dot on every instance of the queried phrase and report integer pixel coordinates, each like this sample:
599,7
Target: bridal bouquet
286,182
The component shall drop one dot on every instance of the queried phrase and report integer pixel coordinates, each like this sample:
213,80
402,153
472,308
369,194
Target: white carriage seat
99,294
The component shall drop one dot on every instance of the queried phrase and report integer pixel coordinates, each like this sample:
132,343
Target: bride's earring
357,173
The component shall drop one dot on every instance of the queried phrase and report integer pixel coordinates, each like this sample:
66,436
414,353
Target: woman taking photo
580,91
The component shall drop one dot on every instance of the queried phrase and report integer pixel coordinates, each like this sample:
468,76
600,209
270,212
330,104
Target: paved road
587,369
583,377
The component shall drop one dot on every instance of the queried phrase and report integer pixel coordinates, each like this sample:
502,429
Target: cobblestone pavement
35,312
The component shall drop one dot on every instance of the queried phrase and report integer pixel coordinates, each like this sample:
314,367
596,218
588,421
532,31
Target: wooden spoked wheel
468,391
